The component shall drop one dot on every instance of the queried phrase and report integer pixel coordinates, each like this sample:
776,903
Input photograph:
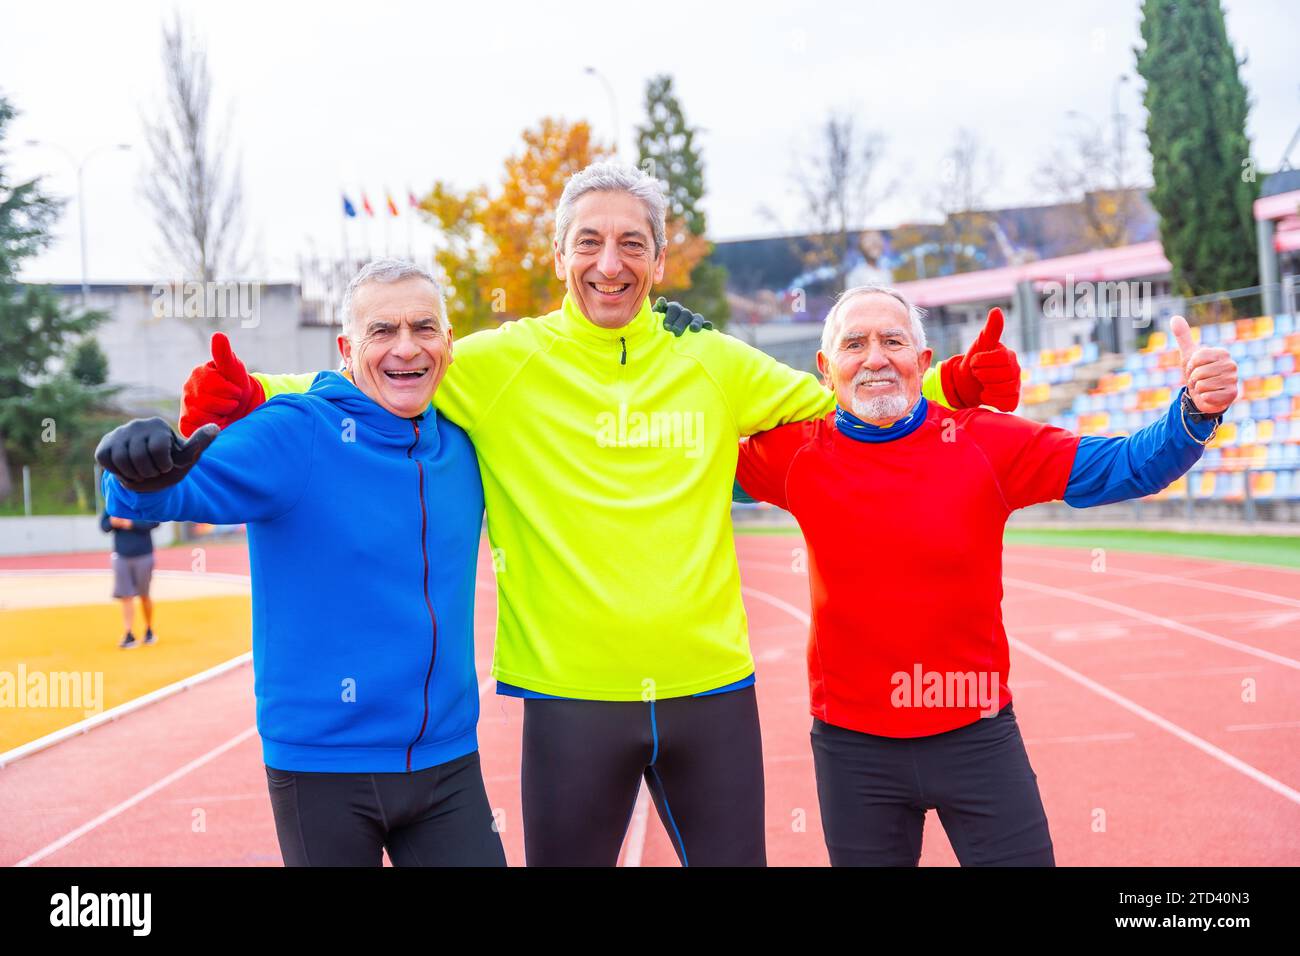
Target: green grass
1253,548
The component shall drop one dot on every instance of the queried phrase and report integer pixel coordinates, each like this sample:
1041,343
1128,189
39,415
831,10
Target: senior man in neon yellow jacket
608,452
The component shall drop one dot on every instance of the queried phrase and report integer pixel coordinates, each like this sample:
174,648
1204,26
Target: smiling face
874,366
608,261
398,349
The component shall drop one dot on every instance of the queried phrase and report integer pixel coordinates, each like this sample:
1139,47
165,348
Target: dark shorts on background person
132,576
438,816
874,793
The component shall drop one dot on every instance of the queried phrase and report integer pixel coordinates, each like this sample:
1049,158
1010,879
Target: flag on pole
365,204
392,206
411,200
349,210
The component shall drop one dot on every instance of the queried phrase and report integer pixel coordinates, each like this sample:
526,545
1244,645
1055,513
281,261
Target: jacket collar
573,324
370,416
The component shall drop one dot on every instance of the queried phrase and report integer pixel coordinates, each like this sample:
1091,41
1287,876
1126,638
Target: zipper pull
623,342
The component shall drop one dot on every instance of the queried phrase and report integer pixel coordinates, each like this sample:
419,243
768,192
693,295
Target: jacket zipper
433,619
623,342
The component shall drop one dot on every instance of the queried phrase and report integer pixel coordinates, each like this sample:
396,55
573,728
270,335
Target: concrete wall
151,356
63,533
59,534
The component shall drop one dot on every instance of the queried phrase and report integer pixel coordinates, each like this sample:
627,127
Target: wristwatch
1194,414
1188,410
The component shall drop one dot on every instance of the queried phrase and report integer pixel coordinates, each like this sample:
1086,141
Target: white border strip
1132,707
138,797
1156,619
121,710
1168,726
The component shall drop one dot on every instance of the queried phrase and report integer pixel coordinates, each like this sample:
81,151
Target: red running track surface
1133,686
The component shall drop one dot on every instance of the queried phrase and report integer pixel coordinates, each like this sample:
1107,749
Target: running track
1129,688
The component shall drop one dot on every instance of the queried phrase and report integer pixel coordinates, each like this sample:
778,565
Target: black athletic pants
434,817
874,792
701,759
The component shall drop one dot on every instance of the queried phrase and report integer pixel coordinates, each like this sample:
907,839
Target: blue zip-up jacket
363,533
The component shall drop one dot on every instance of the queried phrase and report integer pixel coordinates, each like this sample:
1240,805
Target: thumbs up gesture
1210,373
146,455
988,374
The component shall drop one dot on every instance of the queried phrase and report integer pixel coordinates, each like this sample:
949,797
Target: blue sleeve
256,470
104,524
1107,470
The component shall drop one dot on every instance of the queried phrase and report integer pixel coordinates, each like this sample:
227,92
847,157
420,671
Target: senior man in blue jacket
363,508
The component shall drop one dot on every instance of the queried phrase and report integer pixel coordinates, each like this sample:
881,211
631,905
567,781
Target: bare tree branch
194,188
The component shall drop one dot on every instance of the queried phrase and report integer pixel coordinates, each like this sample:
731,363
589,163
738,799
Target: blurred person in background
132,573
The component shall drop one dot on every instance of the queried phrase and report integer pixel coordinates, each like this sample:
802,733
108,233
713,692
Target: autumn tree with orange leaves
497,245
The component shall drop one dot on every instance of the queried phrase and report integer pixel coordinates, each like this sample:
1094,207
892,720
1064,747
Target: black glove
146,455
678,318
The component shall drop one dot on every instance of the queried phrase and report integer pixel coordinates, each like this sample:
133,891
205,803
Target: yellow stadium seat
1263,483
1157,343
1225,436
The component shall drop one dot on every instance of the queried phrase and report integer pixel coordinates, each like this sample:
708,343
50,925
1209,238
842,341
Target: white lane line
636,832
1168,726
776,602
1196,583
121,710
141,795
1184,735
635,846
1197,672
1156,619
1280,725
153,788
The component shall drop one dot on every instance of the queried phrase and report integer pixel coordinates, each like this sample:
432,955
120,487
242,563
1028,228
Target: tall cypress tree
667,141
43,403
1196,129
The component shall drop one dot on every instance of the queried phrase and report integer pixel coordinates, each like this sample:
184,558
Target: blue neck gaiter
859,430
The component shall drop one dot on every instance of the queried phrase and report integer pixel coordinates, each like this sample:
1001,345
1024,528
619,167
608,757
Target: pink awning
1100,265
1276,207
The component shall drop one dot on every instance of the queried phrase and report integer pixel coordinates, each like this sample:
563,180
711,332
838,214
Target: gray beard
890,407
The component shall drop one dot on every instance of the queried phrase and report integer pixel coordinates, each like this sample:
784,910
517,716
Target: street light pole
613,103
80,167
1120,165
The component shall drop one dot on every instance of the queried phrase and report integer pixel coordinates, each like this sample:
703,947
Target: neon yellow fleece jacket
608,458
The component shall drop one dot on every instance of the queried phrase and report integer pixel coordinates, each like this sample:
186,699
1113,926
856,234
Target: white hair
614,178
835,318
388,271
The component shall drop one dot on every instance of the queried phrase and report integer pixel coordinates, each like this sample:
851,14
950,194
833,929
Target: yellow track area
59,659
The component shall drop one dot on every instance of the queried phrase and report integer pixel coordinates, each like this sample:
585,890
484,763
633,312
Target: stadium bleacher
1256,449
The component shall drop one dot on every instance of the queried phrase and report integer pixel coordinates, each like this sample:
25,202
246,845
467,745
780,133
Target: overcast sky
330,96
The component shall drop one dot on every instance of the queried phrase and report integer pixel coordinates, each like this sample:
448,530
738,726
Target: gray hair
614,178
388,271
835,318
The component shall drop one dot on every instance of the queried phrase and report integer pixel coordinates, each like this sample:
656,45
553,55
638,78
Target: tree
666,149
1196,129
42,399
968,172
193,187
496,256
1092,169
837,183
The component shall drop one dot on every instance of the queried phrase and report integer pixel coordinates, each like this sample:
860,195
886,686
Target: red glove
219,392
988,374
